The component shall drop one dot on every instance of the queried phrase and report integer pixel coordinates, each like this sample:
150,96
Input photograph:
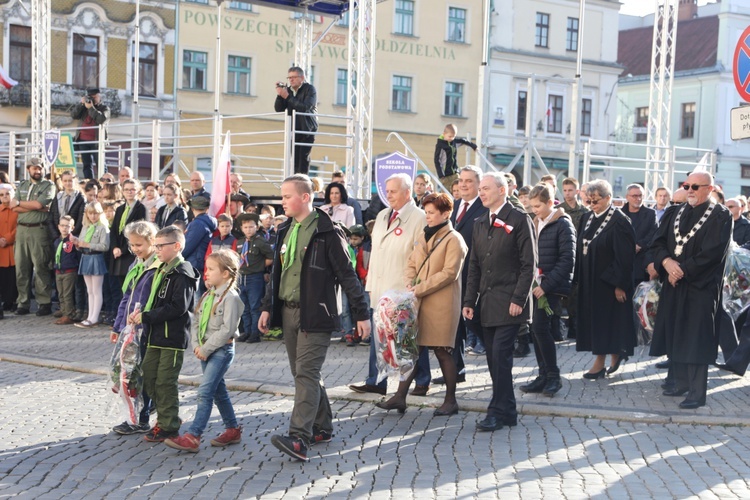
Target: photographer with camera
91,112
300,96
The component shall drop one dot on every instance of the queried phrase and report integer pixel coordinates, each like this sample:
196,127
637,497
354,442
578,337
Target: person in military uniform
33,249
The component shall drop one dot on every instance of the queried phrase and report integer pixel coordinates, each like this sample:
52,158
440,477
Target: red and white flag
221,187
5,79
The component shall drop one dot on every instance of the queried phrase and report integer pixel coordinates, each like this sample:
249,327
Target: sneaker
274,335
292,446
366,341
478,351
351,340
229,436
125,429
469,348
186,442
158,435
321,437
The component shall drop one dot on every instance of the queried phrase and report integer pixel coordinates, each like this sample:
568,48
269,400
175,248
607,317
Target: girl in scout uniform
93,242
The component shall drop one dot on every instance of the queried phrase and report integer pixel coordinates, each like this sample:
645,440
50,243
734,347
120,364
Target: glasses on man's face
694,187
129,190
159,246
594,201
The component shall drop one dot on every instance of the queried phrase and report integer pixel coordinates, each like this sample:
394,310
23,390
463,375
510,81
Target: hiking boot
158,435
229,436
292,446
186,442
536,386
44,310
321,437
125,429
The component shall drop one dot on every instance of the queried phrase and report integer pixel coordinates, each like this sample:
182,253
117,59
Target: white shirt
496,212
540,225
604,212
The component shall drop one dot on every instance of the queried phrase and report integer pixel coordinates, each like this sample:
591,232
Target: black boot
243,337
522,348
553,385
253,338
536,386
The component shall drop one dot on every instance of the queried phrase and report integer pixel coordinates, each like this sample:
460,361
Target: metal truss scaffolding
40,73
658,172
361,71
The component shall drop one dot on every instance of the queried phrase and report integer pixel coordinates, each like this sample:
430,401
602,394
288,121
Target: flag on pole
221,187
5,79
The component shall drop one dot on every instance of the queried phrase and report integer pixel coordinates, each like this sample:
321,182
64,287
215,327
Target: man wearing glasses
298,95
644,224
689,251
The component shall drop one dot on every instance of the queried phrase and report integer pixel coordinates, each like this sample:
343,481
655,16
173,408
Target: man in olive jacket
501,271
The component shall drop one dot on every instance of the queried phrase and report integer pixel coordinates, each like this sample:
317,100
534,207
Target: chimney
688,10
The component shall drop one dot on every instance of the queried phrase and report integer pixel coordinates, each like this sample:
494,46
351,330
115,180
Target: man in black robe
689,252
644,224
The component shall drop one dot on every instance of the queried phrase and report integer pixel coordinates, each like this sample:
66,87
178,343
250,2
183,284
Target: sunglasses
694,187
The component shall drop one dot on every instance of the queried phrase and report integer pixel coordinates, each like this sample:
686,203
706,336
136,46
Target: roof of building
696,46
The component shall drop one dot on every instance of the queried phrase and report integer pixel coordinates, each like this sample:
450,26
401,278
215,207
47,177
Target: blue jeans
346,314
213,390
252,288
423,376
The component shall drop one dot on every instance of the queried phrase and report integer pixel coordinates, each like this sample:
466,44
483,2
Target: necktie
291,247
463,212
58,254
124,218
89,233
394,214
208,304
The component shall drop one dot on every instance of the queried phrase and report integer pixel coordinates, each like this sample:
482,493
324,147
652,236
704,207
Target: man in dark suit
464,215
299,96
501,271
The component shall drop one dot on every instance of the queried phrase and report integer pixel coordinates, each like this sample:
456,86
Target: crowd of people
495,269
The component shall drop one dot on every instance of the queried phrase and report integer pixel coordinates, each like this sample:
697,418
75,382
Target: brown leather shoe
420,390
64,321
368,388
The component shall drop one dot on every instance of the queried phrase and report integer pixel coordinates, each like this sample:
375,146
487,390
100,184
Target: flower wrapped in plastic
126,373
395,334
646,303
736,286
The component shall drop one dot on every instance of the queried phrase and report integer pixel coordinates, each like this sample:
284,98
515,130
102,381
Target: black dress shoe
368,388
691,405
596,375
392,404
663,365
447,412
728,368
667,386
675,392
441,380
553,387
489,424
243,337
44,310
253,339
620,359
22,311
535,386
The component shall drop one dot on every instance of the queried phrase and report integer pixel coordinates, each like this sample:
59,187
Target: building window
403,23
542,30
745,170
571,41
641,124
247,7
147,58
586,117
238,75
342,82
521,111
687,130
401,93
456,25
454,99
85,61
19,47
194,68
197,1
555,114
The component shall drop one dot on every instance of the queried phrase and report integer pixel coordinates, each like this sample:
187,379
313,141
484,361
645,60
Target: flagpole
135,114
217,89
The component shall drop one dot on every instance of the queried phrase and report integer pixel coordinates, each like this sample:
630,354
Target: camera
280,85
87,99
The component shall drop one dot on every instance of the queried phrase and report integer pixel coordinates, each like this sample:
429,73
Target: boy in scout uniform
33,249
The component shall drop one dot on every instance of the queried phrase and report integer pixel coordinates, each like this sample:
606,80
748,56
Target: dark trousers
727,333
498,341
571,304
693,377
544,343
82,295
739,360
8,291
302,155
112,292
161,369
89,153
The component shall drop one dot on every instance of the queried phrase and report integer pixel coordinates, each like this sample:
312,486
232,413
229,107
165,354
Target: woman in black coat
604,274
172,211
75,204
121,256
556,248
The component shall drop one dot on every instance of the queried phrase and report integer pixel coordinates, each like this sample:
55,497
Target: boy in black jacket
445,155
166,318
67,258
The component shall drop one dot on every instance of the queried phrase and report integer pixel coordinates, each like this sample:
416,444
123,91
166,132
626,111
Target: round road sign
741,69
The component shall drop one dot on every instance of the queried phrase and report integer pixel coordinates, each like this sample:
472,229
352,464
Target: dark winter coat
556,250
197,237
325,267
644,224
740,233
117,239
76,212
605,326
685,320
178,214
306,101
501,268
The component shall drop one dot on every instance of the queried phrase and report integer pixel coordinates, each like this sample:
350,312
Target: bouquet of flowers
646,302
395,333
126,373
736,289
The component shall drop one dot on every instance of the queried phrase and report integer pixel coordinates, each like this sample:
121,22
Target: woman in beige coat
433,274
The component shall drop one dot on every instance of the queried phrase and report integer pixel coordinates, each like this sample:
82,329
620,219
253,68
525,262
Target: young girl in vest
93,242
217,318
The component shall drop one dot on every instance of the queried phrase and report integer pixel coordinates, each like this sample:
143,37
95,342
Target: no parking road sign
741,68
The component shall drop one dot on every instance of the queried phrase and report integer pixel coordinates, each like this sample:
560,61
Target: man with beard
689,252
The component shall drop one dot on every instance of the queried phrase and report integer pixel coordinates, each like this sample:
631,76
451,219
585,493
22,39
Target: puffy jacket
137,293
325,266
197,237
167,324
556,248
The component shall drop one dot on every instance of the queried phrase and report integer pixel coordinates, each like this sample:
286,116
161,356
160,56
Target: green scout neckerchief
291,247
207,305
90,233
164,269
